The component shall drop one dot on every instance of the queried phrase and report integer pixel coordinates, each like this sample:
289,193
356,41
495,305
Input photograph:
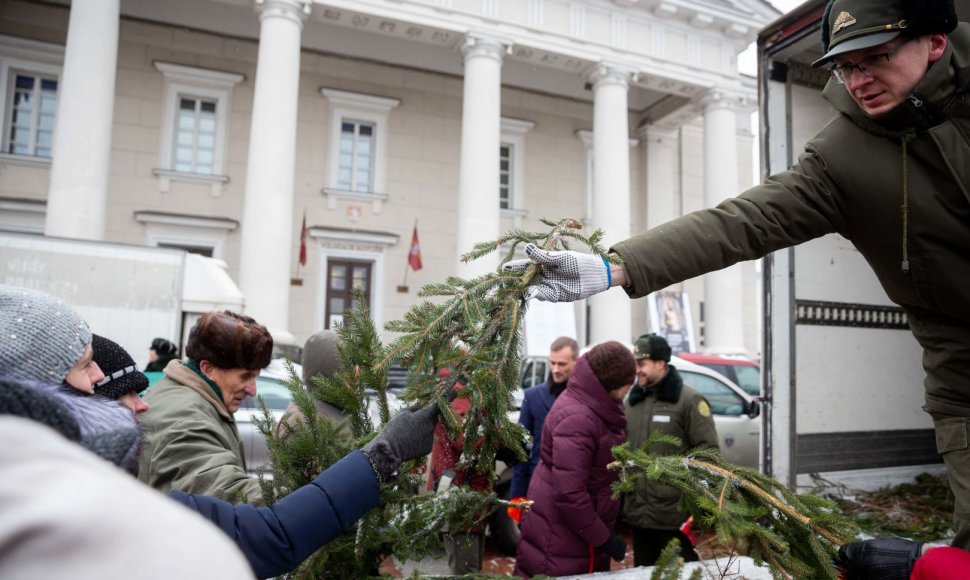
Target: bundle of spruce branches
473,328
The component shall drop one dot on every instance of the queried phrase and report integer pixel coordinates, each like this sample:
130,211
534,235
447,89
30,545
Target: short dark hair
164,346
230,341
565,342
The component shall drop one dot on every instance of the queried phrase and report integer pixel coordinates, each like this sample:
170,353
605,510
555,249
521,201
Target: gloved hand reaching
879,559
409,435
564,276
615,547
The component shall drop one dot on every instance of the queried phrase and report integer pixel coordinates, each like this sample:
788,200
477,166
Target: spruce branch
473,328
796,535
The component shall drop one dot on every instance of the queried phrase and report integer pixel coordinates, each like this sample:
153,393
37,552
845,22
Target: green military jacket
671,408
896,186
191,443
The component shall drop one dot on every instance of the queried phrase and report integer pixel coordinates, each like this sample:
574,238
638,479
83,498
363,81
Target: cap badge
843,20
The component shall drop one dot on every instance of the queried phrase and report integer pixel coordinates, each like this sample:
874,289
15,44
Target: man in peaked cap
661,402
889,173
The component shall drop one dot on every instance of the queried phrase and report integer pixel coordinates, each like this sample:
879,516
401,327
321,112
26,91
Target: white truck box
130,294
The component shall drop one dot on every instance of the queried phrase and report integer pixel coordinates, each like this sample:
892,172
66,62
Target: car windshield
275,393
722,399
749,379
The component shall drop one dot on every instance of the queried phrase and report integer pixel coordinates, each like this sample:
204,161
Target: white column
723,290
267,223
478,180
661,144
662,191
610,312
77,199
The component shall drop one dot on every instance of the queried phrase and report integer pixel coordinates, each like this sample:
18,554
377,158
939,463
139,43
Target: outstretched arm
278,538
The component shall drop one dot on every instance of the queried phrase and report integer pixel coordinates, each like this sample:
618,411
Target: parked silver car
736,413
271,386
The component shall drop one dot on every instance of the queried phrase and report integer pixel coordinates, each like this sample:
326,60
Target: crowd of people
75,430
66,513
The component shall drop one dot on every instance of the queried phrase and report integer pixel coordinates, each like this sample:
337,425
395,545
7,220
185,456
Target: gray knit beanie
41,337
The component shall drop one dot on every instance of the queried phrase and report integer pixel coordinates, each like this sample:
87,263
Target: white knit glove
564,276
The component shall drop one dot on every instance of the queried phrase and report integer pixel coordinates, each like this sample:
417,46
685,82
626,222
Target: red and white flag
414,254
303,241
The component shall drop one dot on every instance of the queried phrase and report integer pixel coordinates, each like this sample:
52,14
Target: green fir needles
470,327
475,332
796,535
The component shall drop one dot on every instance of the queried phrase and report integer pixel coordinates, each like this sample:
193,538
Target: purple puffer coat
573,511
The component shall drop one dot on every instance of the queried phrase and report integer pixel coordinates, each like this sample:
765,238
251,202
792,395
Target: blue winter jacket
535,406
276,539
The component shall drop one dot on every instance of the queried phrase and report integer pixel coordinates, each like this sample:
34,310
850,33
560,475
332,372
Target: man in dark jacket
536,403
889,173
661,402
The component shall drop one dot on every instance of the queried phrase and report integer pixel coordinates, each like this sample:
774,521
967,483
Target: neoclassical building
217,125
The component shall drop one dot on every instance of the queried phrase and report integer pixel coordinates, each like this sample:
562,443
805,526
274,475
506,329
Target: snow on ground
737,567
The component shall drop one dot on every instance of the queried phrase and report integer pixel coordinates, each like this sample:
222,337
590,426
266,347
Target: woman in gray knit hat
44,339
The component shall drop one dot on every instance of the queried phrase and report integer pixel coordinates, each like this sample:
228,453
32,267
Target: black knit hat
849,25
613,364
121,376
163,346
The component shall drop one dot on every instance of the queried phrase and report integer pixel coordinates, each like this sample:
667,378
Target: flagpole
301,257
403,288
407,264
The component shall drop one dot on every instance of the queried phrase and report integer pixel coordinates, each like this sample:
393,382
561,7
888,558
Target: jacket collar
666,389
586,388
188,378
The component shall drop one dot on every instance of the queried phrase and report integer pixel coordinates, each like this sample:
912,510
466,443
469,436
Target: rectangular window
195,125
342,277
505,176
32,110
195,135
355,167
511,155
206,251
357,156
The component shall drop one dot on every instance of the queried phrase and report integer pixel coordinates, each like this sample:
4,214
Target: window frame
356,245
513,136
348,293
197,83
358,125
18,55
165,229
359,108
197,112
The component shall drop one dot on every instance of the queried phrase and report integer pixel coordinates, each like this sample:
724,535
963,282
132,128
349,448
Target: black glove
615,547
409,435
879,559
507,456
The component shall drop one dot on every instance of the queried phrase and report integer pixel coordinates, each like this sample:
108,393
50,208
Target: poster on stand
670,318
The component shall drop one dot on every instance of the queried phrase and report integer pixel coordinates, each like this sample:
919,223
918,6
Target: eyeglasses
844,73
